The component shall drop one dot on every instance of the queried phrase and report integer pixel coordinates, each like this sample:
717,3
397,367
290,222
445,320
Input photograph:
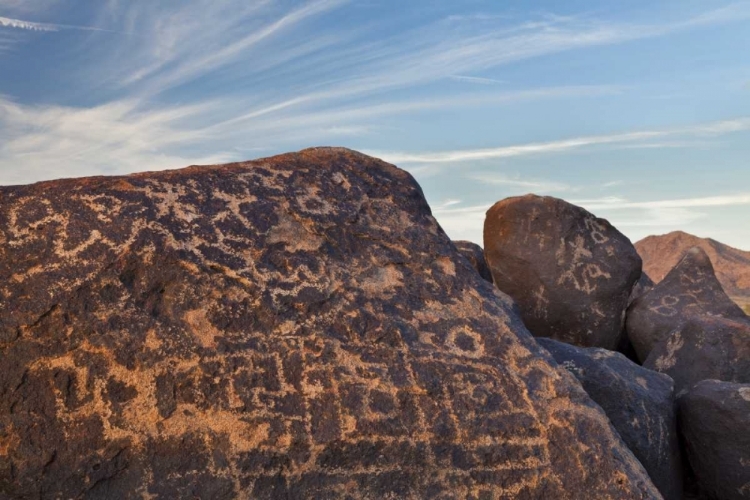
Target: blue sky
636,110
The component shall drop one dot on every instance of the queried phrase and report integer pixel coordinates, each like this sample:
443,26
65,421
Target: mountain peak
662,253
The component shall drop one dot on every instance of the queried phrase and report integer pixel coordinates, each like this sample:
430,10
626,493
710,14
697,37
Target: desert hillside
661,253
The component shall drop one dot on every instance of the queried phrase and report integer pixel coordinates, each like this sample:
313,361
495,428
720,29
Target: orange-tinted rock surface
294,327
475,255
732,266
570,273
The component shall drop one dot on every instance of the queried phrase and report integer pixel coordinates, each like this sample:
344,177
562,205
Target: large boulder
715,422
292,327
570,273
475,255
690,289
704,348
638,402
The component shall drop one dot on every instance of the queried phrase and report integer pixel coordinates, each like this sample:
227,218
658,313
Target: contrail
32,26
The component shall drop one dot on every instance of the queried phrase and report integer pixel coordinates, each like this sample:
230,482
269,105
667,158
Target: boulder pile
293,327
545,253
301,327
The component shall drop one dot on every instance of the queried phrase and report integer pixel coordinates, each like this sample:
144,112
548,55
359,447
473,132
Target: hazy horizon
639,113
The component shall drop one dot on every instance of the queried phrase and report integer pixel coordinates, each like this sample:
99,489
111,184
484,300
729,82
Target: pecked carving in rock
570,272
689,290
293,327
704,348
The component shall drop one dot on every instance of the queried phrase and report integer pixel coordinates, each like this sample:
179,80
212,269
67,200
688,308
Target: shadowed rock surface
570,273
690,289
714,422
475,255
293,327
638,402
732,266
642,287
704,348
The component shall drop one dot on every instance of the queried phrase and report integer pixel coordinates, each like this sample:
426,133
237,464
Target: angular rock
570,273
704,348
714,421
292,327
690,289
638,402
475,256
642,287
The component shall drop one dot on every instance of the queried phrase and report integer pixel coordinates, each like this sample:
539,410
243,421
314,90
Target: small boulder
704,348
690,289
714,422
570,272
638,402
475,255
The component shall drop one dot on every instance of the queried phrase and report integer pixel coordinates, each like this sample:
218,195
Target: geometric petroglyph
295,327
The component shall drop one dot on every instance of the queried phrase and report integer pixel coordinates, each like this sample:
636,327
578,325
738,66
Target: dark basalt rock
292,327
625,347
690,289
570,273
704,348
475,255
714,421
638,402
642,287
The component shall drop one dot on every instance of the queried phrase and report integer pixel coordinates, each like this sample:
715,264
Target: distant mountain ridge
661,253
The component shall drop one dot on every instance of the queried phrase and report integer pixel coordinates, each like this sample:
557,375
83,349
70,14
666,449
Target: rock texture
570,273
642,287
661,253
638,402
714,421
294,327
690,289
704,348
475,255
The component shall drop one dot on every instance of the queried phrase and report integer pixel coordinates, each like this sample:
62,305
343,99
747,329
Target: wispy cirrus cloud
535,185
476,79
639,139
7,22
47,142
616,203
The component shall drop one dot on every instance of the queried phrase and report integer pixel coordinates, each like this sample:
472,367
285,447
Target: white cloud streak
642,138
537,186
476,79
26,25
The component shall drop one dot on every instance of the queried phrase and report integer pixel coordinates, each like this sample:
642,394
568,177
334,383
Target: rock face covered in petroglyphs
570,273
294,327
475,256
638,402
714,422
704,348
690,289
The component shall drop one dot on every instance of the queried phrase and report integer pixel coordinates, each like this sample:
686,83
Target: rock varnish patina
294,327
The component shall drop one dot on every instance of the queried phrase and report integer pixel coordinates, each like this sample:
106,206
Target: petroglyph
570,273
293,327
